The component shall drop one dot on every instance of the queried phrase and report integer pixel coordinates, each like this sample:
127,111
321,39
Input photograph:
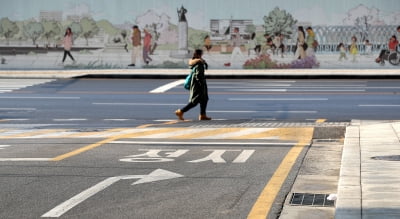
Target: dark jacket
198,85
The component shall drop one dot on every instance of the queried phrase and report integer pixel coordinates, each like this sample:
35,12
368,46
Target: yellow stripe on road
267,197
108,140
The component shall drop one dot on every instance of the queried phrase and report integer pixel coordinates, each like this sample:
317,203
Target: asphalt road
111,148
130,102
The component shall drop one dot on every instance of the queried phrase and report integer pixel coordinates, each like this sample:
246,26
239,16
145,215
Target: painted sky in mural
317,12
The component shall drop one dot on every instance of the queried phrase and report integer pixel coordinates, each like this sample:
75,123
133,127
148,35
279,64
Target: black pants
190,105
69,54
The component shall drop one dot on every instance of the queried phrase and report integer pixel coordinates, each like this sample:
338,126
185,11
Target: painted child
342,50
353,48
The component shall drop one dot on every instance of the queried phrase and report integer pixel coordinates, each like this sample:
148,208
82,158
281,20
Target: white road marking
19,109
156,175
117,120
72,119
298,90
4,146
277,111
278,99
8,85
200,143
378,105
50,98
140,104
168,86
25,159
244,156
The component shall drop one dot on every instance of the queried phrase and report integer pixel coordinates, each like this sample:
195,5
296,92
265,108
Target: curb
348,204
214,73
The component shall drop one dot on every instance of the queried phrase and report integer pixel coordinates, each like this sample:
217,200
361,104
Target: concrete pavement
369,175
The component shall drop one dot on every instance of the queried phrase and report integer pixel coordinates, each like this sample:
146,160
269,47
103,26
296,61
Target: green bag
188,79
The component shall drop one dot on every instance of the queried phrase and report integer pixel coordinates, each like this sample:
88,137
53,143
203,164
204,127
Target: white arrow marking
156,175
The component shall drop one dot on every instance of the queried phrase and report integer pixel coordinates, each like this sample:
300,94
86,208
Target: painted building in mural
32,33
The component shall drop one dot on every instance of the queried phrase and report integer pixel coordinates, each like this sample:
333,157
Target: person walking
147,46
198,87
136,38
67,42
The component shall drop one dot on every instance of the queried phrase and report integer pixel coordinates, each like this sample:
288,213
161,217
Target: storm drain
388,158
309,199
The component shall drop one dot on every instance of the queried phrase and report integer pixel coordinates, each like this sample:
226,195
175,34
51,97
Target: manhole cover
388,157
309,199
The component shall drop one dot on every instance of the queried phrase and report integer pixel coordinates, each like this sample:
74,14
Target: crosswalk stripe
161,133
9,85
31,133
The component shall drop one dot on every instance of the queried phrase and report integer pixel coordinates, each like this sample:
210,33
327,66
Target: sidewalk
369,176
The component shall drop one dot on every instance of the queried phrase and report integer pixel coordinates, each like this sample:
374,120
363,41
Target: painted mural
234,34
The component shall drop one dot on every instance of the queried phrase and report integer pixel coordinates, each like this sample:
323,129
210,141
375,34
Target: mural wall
234,34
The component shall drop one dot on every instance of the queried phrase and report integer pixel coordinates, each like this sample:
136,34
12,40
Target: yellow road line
212,132
267,197
32,134
108,140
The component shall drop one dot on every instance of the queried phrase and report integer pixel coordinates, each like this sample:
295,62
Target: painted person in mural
353,48
236,43
342,51
392,47
279,44
269,47
252,45
301,44
136,43
198,87
147,46
67,42
398,36
310,40
207,43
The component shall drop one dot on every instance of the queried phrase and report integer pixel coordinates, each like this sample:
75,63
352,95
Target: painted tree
51,29
362,25
250,29
76,29
33,30
89,29
279,22
9,28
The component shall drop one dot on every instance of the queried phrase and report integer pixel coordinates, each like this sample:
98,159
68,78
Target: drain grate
388,158
309,199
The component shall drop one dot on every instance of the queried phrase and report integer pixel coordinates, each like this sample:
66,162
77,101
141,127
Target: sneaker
132,65
227,64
